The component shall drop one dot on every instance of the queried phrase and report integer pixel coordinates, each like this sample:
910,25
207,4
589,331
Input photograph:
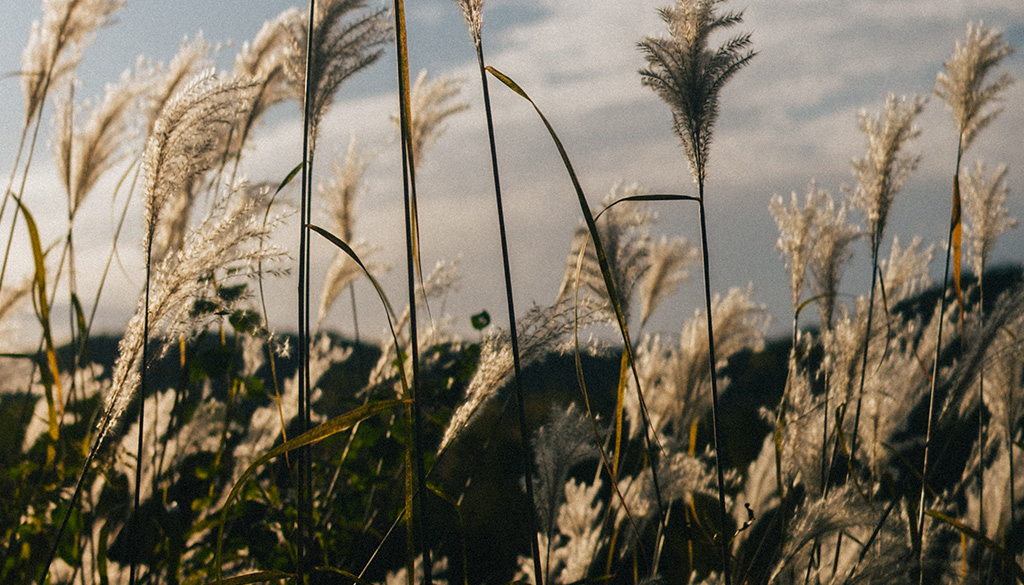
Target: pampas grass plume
963,84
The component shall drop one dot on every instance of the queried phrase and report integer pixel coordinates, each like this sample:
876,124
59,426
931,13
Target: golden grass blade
43,315
405,121
956,237
314,435
413,251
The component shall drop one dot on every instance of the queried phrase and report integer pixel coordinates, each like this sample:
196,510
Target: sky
788,118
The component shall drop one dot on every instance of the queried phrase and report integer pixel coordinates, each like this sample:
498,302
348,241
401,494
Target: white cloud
789,117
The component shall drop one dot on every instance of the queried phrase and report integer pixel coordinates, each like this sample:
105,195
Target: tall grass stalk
688,75
416,530
473,13
964,89
304,465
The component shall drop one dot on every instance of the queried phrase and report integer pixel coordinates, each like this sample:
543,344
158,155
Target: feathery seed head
688,75
627,245
797,234
192,59
667,263
675,378
431,103
266,51
831,251
264,60
566,440
473,11
885,167
906,272
86,152
985,210
341,193
187,137
344,42
67,25
963,84
541,331
229,243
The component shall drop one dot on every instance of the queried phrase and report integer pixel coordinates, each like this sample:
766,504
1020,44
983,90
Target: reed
590,440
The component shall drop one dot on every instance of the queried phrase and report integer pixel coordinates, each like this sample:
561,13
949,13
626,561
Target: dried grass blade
956,237
414,451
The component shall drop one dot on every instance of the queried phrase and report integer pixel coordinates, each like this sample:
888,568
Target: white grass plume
884,168
187,139
473,11
676,378
963,84
263,59
84,151
227,244
191,59
431,103
627,245
345,41
569,552
797,234
55,44
668,260
984,208
340,193
688,75
829,255
542,330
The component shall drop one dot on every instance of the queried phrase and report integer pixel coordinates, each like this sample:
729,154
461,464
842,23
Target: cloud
787,118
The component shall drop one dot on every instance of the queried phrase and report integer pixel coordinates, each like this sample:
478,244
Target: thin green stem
935,364
302,354
514,336
715,421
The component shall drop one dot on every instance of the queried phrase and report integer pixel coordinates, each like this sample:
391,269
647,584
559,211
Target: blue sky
786,119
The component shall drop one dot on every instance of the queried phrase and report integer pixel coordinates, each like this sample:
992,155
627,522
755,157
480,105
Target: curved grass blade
42,307
314,435
380,293
605,272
